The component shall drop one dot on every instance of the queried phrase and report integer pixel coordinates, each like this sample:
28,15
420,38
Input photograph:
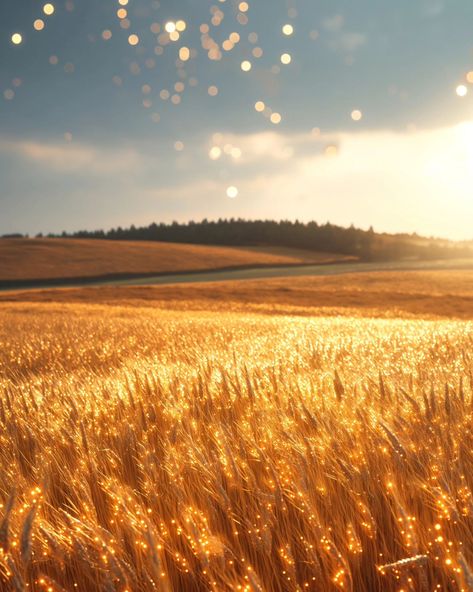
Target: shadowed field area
427,294
43,259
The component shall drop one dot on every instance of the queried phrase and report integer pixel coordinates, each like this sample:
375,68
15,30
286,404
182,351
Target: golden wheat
148,450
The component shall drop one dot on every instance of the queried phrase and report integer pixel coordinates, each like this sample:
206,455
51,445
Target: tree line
364,244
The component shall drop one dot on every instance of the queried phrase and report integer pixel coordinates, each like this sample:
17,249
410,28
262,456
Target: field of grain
145,449
47,259
389,294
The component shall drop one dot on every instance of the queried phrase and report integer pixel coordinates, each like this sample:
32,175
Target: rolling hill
59,259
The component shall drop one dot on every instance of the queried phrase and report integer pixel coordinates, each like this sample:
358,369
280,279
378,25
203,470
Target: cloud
397,181
417,180
339,38
348,42
268,146
73,157
334,23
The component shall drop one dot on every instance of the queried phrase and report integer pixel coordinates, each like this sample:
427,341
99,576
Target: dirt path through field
246,273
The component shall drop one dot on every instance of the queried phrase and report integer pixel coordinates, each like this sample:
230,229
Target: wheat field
159,450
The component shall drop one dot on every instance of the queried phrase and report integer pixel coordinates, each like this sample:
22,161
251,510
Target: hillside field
43,259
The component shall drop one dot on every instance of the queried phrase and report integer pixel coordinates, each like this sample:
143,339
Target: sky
120,112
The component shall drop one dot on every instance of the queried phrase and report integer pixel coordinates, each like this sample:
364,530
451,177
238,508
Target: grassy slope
414,293
57,258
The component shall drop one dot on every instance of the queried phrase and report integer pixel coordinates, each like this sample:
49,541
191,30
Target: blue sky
89,141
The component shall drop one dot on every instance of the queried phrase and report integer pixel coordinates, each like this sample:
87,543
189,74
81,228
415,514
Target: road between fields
247,273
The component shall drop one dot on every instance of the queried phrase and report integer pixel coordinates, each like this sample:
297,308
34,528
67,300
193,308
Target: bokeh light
232,192
286,59
184,54
48,9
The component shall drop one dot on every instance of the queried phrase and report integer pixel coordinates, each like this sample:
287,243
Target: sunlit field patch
156,450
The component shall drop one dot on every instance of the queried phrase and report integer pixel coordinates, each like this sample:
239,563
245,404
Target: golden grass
406,294
30,259
148,450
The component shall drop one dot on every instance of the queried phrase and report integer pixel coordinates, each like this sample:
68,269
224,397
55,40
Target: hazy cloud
348,42
334,23
281,175
271,146
339,38
73,157
361,185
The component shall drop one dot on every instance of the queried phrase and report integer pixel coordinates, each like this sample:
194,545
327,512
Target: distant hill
366,245
52,258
